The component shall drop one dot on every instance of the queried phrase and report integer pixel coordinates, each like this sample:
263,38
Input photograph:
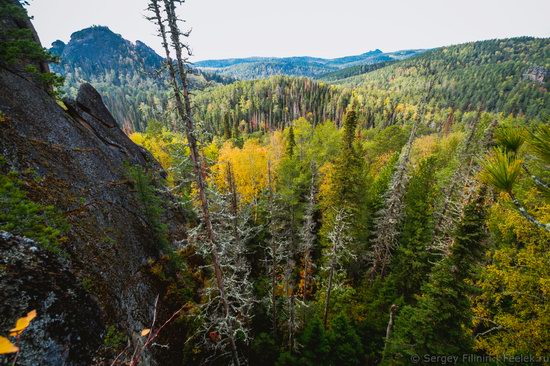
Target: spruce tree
437,323
346,348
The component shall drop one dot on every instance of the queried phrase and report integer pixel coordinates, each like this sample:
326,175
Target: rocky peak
98,49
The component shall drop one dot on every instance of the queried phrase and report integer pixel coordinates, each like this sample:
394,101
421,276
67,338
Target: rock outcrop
68,322
536,73
76,159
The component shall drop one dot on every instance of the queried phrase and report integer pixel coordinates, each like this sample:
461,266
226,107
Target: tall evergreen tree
438,323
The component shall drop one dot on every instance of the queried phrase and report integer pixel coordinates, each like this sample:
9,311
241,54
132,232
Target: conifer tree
279,254
233,227
307,237
291,142
389,218
460,187
346,348
337,255
502,168
437,323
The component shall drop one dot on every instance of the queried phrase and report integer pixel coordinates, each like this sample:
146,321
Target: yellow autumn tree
161,143
512,311
249,165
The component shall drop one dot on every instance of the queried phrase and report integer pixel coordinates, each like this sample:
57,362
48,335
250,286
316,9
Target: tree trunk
526,214
329,285
185,112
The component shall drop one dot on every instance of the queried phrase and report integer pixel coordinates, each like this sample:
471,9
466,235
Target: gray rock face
65,330
90,100
77,159
536,73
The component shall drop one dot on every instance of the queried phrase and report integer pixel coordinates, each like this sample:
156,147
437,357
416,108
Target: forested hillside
126,74
267,104
263,67
508,76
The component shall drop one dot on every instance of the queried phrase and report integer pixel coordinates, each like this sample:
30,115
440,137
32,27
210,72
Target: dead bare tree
233,227
461,186
277,250
387,223
338,254
178,78
307,235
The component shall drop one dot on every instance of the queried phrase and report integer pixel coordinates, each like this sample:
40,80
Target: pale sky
322,28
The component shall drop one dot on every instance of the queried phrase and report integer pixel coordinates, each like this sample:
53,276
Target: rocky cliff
73,156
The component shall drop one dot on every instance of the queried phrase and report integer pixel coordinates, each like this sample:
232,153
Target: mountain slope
504,75
262,67
126,74
509,76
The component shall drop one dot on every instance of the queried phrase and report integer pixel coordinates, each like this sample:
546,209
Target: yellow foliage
145,332
276,148
516,283
22,323
423,147
381,161
326,193
6,346
249,166
160,144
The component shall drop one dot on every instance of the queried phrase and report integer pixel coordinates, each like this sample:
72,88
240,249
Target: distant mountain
510,76
353,71
262,67
126,74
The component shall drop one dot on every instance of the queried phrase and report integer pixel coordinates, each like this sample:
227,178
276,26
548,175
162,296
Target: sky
320,28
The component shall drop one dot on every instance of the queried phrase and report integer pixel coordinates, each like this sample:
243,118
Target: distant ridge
262,67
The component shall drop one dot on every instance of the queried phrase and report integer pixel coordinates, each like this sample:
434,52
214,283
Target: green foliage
438,324
114,338
264,350
412,263
492,74
510,138
353,71
151,204
19,215
19,46
348,187
540,143
315,345
512,310
259,105
125,74
501,170
346,348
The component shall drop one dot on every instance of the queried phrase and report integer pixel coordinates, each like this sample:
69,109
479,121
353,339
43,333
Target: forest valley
401,213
